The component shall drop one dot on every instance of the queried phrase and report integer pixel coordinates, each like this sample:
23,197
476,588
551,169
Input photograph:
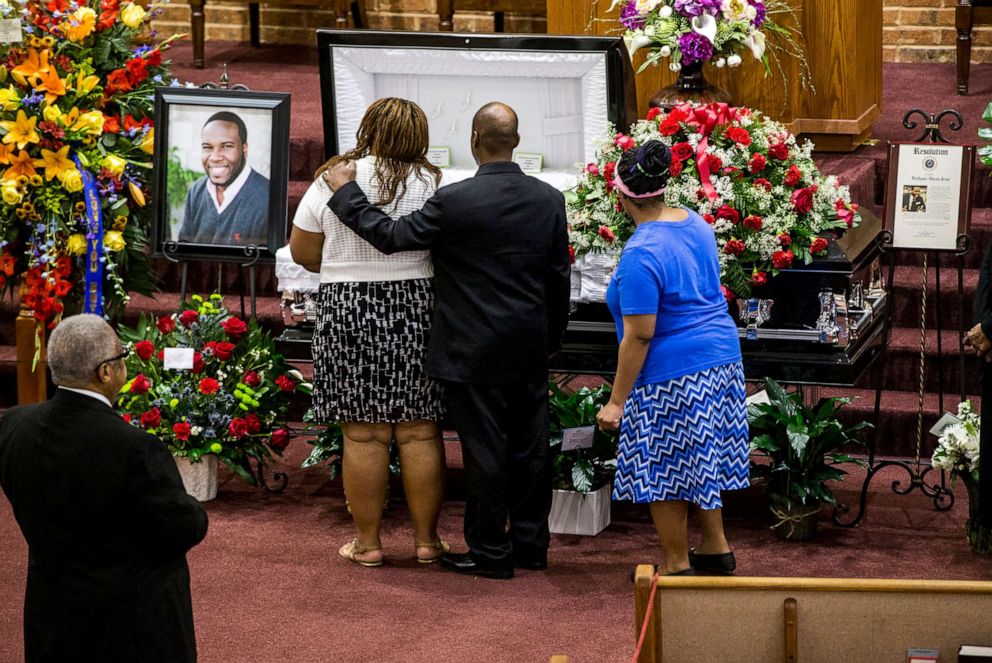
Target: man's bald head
495,126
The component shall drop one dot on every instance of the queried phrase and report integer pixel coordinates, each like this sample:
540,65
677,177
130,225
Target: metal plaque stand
943,497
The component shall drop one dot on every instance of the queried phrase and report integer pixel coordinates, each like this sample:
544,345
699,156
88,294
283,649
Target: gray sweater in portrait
244,221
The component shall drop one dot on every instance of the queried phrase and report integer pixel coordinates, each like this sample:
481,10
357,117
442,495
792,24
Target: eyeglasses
124,353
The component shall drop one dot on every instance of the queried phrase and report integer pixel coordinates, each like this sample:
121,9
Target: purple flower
695,48
759,7
697,7
630,18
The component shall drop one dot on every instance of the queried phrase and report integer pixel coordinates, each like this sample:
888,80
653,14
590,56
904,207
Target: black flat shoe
719,564
464,563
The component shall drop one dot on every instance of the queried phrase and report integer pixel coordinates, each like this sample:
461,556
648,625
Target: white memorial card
10,31
529,162
439,156
947,420
177,359
577,438
927,196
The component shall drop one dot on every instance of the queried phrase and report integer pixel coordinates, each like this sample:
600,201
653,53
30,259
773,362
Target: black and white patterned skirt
369,348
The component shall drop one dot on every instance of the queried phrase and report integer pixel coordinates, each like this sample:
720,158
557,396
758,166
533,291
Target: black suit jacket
108,524
499,242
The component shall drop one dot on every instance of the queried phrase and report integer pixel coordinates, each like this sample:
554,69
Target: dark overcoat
108,525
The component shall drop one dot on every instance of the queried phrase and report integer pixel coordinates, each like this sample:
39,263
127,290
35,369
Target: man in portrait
912,200
230,204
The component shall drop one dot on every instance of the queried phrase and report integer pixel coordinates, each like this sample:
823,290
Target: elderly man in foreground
104,513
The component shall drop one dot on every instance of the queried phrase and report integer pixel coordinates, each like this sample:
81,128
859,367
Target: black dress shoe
530,563
720,563
465,564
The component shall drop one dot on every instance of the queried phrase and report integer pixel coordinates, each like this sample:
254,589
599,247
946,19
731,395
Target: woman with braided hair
374,313
678,397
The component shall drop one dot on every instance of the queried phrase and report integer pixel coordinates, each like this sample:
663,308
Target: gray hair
76,348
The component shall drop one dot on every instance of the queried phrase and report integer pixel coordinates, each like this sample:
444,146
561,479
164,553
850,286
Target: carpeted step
857,172
898,417
907,292
900,368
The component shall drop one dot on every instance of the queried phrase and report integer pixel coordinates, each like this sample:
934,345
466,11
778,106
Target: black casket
821,323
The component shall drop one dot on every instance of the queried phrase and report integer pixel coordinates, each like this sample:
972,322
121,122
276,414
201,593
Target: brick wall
923,31
913,30
296,25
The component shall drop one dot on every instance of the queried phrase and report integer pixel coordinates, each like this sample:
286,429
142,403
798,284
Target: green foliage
985,133
179,179
804,445
580,469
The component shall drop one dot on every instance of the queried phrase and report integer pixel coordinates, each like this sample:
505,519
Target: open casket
821,323
565,91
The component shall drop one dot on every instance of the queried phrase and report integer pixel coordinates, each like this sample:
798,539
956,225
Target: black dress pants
504,435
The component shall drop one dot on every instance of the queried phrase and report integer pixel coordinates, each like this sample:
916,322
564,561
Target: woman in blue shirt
678,397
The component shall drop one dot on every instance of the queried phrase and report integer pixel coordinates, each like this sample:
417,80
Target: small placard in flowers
177,359
10,31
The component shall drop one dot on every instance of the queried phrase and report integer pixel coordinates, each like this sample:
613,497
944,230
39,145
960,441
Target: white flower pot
199,479
575,513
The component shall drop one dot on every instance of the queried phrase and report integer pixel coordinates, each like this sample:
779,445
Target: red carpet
268,585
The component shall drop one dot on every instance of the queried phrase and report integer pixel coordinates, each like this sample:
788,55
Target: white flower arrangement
958,445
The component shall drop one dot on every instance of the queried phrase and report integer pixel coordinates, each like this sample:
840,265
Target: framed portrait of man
221,173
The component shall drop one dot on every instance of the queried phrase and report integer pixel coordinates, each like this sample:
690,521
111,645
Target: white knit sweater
347,257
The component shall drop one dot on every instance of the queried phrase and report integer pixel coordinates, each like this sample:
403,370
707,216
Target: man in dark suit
501,268
104,513
980,338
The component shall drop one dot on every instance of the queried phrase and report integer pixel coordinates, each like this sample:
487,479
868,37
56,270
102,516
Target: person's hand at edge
339,174
608,418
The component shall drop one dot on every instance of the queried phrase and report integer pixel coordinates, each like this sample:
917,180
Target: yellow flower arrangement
76,104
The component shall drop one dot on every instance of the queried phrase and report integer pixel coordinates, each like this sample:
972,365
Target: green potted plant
803,445
581,476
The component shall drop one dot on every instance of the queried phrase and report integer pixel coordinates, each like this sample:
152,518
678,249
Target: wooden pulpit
842,40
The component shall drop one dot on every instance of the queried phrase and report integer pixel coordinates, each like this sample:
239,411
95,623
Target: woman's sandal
351,551
440,546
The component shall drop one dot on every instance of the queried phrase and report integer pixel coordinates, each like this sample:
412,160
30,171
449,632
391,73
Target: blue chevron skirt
684,439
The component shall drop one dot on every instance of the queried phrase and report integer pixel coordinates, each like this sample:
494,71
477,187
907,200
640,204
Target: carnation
631,17
697,7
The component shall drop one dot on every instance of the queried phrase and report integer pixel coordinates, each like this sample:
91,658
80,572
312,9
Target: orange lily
35,64
20,164
4,153
53,86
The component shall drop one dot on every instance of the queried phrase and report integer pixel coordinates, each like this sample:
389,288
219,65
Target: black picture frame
215,100
621,93
964,195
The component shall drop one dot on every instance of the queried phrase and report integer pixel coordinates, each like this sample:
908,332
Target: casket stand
826,324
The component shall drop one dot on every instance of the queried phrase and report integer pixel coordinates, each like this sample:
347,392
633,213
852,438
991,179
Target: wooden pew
806,620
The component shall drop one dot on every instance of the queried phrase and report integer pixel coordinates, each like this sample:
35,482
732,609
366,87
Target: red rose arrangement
232,400
746,175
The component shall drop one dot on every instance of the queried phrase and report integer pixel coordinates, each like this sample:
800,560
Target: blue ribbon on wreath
93,283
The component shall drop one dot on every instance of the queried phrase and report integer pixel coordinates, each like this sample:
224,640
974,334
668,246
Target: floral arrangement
697,31
230,403
957,452
957,446
745,174
76,103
